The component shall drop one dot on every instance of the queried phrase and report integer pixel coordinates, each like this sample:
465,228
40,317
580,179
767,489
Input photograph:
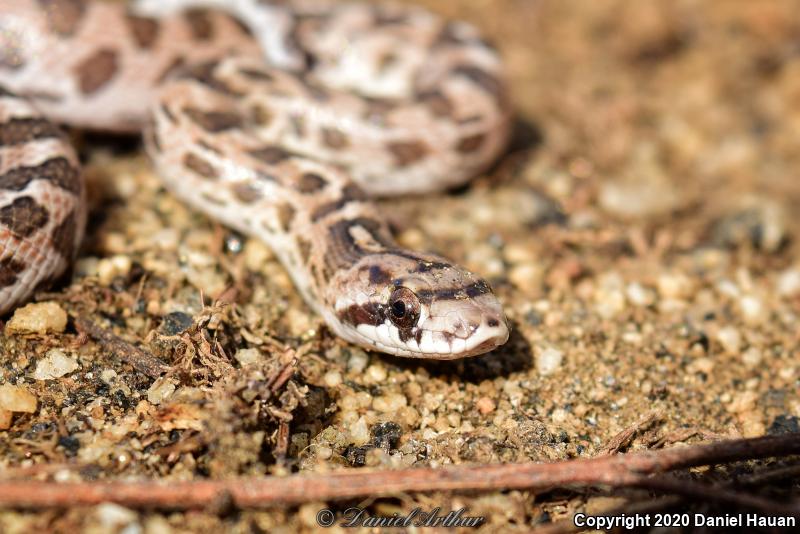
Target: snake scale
280,120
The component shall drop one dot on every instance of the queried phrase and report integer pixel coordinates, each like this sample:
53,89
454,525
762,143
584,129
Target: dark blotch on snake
97,70
334,138
214,121
63,16
144,30
377,275
371,313
470,143
23,216
64,236
200,24
200,166
9,271
407,152
270,155
19,130
58,171
310,182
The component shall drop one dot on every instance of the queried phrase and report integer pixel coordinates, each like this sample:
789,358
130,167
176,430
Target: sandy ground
641,234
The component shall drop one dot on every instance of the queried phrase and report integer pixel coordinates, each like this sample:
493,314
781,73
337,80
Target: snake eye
403,308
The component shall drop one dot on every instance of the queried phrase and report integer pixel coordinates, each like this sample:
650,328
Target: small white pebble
55,364
559,416
114,515
674,285
752,357
160,390
359,433
638,295
110,268
788,284
38,318
375,374
108,375
753,311
248,356
730,339
390,403
332,379
358,361
548,361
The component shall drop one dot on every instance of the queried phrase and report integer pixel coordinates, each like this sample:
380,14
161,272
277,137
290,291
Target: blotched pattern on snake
278,119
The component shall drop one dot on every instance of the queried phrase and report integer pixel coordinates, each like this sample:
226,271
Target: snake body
280,121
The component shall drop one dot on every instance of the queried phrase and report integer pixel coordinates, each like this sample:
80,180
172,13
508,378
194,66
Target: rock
485,405
17,399
548,361
160,391
112,515
753,310
730,339
788,284
674,285
38,318
110,268
55,364
359,433
332,379
248,356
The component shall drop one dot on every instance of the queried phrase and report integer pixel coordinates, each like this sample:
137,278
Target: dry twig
142,361
629,470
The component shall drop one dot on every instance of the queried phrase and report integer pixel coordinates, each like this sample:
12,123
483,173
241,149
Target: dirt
641,233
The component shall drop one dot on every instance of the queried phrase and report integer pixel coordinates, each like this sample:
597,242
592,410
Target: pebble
548,361
752,357
256,254
638,295
788,284
753,310
332,379
248,356
112,515
17,399
55,364
359,433
674,285
389,403
730,339
358,361
38,318
110,268
375,374
485,405
160,390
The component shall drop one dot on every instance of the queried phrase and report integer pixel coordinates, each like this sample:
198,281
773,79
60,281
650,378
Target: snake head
419,306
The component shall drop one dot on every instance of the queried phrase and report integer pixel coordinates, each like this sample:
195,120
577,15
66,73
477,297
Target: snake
282,120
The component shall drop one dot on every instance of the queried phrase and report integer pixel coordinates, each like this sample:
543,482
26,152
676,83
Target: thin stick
629,470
